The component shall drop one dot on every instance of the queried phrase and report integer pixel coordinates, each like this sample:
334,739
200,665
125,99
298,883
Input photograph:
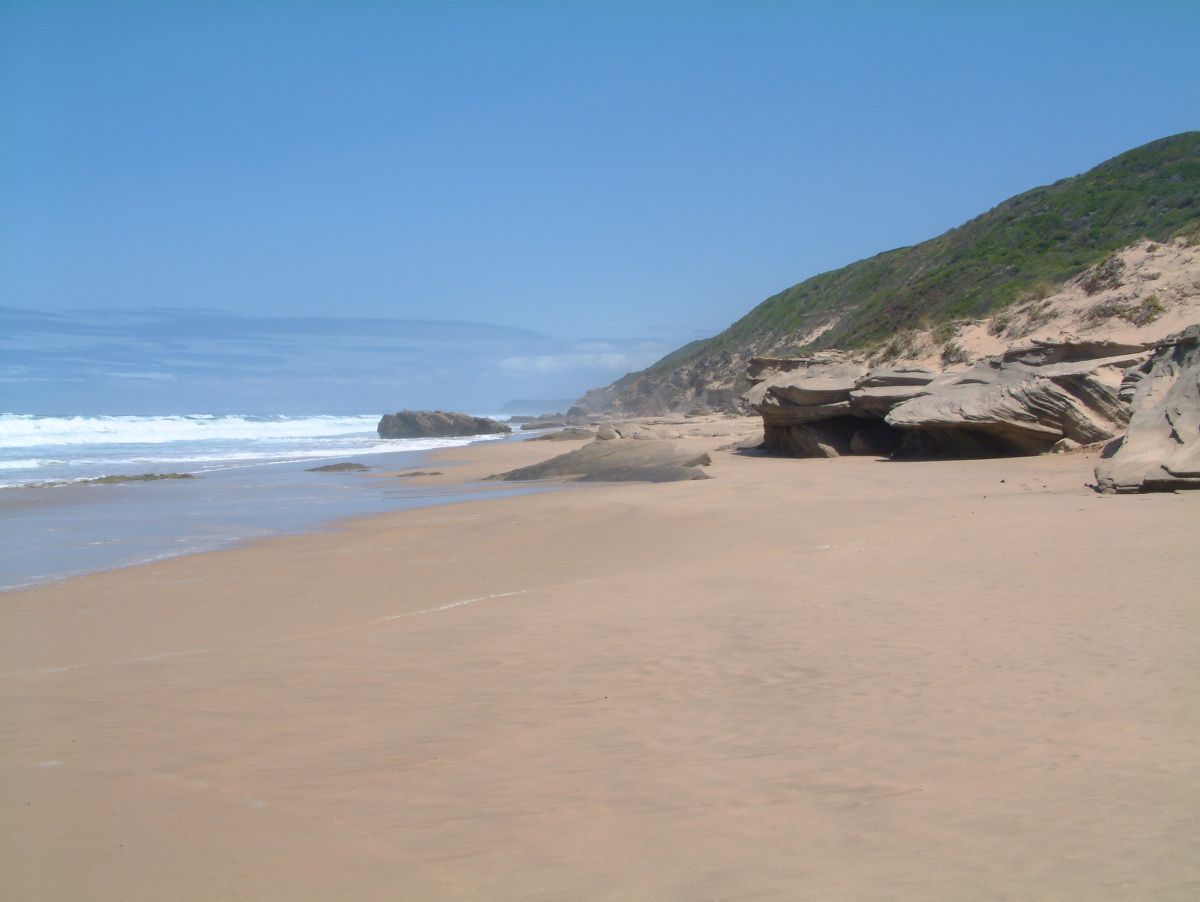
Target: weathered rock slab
616,460
569,434
1025,401
1160,451
1003,407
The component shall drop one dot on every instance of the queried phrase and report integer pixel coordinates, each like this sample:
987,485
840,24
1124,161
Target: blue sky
580,186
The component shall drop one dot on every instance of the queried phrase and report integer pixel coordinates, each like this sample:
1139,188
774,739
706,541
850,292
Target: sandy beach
799,679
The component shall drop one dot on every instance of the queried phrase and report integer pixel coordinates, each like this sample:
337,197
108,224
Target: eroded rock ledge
1035,397
1161,449
616,459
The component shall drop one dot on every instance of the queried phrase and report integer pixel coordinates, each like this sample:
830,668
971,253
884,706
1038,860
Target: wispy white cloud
557,363
163,360
148,375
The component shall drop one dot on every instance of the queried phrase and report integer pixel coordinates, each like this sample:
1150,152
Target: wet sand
842,679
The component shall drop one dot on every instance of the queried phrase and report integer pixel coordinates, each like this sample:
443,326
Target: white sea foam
66,449
340,450
23,463
27,431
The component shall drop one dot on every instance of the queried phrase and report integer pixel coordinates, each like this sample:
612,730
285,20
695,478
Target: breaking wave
27,431
39,449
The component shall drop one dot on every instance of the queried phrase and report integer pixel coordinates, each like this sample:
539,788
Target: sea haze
161,361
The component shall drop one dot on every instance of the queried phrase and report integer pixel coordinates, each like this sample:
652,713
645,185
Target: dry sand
813,679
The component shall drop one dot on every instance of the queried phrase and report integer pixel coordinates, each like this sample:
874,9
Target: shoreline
799,679
53,526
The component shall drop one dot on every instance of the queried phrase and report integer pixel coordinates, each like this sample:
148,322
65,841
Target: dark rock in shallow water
107,480
1161,449
616,460
346,467
140,477
436,424
419,473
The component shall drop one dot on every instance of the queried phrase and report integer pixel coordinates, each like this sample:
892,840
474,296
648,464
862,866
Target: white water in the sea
51,449
252,482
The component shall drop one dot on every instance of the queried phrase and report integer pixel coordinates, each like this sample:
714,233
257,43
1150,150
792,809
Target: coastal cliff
1015,268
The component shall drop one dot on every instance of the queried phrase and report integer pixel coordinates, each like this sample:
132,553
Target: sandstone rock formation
616,460
569,434
436,424
1028,400
1161,449
1023,402
805,403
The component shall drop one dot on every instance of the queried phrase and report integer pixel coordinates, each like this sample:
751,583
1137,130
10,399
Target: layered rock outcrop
1028,400
1161,449
805,404
436,424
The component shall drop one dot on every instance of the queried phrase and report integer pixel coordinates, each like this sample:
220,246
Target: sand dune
800,679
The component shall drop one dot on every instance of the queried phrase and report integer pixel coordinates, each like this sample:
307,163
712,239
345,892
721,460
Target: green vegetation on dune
1049,234
1046,235
1023,247
672,360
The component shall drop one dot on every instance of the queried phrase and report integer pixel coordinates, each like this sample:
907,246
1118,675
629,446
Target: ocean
251,481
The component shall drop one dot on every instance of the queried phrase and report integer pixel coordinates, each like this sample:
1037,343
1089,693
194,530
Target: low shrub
1146,312
1104,275
953,352
943,332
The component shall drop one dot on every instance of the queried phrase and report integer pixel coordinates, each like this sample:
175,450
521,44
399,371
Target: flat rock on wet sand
569,434
617,460
344,467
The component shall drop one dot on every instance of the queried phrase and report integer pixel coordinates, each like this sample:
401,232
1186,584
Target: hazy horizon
158,362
